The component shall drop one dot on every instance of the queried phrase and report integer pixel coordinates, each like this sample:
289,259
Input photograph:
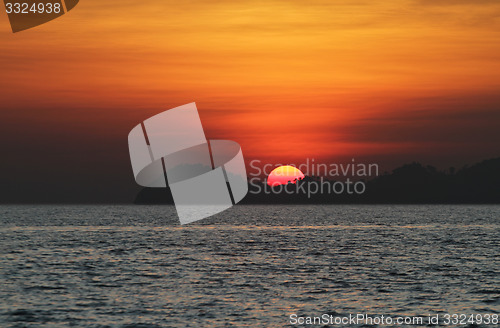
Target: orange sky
392,81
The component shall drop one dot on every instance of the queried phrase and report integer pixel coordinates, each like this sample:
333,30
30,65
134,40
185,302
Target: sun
283,175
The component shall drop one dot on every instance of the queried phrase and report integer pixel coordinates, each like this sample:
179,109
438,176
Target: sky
389,83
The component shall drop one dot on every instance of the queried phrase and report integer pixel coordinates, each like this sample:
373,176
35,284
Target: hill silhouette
409,184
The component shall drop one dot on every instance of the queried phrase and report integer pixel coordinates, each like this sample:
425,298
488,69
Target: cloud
458,121
457,2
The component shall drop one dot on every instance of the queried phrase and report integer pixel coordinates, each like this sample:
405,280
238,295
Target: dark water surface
251,266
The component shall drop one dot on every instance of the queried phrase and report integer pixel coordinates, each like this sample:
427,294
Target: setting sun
283,175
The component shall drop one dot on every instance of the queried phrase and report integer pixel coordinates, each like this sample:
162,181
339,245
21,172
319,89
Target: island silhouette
412,183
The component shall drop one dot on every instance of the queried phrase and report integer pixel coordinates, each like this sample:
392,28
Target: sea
250,266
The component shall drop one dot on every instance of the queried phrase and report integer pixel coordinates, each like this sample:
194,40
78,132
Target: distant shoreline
410,184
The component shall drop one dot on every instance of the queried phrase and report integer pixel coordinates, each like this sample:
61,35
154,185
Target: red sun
284,174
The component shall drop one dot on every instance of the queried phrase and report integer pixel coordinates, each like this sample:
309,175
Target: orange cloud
286,79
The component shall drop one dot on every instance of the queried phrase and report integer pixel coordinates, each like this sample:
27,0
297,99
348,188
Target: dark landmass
410,184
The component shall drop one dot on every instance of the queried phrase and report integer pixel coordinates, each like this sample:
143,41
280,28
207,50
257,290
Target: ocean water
251,266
